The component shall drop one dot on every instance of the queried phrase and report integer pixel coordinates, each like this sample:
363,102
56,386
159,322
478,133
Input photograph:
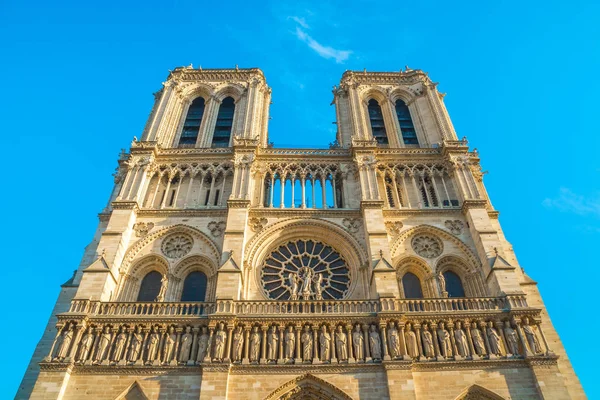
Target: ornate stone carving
352,224
394,341
141,229
202,345
255,341
307,344
325,344
427,246
220,342
341,344
290,343
177,245
412,347
185,346
445,341
454,226
462,345
393,227
358,341
257,224
512,339
532,340
375,343
238,345
216,228
305,269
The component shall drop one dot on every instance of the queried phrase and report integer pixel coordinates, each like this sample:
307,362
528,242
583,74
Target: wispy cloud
568,201
324,51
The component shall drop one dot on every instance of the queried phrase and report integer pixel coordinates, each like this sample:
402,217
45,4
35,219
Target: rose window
427,246
305,270
176,246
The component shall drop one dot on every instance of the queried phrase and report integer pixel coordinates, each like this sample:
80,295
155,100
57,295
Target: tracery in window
409,135
305,269
377,122
224,124
191,126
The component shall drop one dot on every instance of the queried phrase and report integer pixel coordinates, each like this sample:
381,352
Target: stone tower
224,268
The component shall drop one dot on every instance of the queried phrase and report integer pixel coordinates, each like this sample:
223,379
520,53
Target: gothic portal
226,268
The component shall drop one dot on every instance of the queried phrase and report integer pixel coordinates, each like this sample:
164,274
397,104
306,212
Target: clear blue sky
522,84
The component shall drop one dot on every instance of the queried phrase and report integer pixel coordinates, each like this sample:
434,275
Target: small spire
380,253
236,67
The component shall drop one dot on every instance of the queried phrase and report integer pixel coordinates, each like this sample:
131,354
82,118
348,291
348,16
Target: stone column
194,351
51,353
246,358
450,326
539,328
208,356
175,359
500,328
405,355
76,338
298,344
436,344
419,342
365,329
486,340
280,359
333,355
228,344
263,359
316,345
474,355
384,343
351,359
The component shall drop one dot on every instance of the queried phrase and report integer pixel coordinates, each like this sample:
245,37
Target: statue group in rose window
306,284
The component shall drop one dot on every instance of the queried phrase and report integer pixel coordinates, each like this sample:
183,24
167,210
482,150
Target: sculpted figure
445,341
103,345
290,343
67,338
442,282
325,342
341,344
411,342
307,344
272,341
462,345
202,344
293,281
319,287
238,344
512,338
394,341
119,345
255,345
358,340
186,345
428,342
152,346
532,340
86,344
478,343
169,346
220,341
375,343
163,288
494,340
307,283
136,345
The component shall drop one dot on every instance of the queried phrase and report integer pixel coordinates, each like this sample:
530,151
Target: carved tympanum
427,246
177,245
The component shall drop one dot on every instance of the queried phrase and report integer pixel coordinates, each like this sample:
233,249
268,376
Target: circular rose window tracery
305,270
177,245
427,246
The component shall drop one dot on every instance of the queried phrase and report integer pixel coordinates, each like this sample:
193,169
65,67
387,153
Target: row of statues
299,344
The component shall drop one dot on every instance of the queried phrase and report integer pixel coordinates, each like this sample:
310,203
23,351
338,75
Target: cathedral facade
225,268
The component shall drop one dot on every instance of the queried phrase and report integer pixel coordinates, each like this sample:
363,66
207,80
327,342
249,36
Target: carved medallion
427,246
393,227
142,228
351,224
177,245
216,228
455,226
257,224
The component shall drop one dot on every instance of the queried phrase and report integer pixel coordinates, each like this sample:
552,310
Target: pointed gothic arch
476,392
307,386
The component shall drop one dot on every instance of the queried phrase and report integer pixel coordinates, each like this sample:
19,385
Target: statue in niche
272,341
375,343
478,342
494,340
307,344
65,344
394,341
358,340
290,343
307,283
120,341
152,346
163,288
532,340
462,345
136,344
512,339
412,347
169,345
103,345
202,345
86,344
220,341
238,344
442,282
325,342
341,344
255,345
294,284
427,342
186,345
445,341
318,287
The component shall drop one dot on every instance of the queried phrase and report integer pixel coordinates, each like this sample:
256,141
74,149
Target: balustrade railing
312,307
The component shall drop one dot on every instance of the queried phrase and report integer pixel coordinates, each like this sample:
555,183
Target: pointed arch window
377,123
191,126
150,287
409,135
224,125
412,286
454,285
194,287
